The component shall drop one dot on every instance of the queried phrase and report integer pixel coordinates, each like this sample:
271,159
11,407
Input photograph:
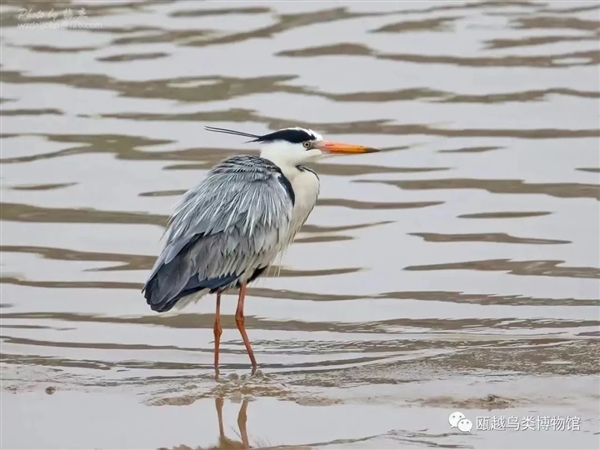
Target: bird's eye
307,144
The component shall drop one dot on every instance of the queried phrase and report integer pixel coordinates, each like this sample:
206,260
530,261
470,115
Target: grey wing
227,227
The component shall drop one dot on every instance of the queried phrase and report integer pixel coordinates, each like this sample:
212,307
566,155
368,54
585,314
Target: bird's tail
161,289
166,287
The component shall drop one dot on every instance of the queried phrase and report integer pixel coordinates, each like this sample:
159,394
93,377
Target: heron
229,229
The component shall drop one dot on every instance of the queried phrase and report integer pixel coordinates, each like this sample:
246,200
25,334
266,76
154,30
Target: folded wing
227,229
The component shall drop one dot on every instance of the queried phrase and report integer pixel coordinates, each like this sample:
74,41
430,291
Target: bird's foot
235,378
254,375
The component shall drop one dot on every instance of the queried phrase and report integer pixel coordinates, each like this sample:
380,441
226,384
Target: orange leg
239,321
217,331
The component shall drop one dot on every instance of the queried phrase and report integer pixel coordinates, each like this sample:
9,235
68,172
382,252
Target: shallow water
456,270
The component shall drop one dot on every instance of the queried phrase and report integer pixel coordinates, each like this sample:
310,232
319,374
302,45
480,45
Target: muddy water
458,270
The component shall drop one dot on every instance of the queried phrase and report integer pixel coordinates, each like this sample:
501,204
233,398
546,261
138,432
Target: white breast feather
306,188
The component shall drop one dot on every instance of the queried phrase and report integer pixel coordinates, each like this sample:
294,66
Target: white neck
280,154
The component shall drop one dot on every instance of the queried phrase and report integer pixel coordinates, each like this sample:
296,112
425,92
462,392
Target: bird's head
296,146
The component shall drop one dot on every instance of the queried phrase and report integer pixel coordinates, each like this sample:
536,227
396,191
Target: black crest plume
293,135
236,133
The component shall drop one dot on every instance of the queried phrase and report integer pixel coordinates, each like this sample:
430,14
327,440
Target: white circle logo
454,418
465,425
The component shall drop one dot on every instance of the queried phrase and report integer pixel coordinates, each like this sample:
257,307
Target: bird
228,229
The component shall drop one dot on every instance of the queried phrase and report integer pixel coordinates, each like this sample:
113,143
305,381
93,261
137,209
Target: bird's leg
217,331
242,419
239,321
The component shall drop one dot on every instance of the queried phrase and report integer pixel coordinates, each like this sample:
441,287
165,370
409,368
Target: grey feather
232,224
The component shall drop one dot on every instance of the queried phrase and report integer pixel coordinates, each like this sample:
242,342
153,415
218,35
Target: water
458,270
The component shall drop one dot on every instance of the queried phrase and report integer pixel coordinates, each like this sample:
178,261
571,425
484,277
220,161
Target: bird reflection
225,442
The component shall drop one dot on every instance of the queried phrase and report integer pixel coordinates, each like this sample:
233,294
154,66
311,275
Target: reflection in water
243,441
563,190
547,268
241,421
487,237
225,442
461,258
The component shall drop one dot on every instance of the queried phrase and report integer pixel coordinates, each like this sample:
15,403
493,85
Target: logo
458,420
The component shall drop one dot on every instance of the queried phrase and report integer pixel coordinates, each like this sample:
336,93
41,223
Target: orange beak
338,147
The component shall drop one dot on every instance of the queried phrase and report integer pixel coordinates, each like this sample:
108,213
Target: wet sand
457,270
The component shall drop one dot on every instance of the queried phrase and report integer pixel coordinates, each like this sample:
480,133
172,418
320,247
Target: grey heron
229,229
